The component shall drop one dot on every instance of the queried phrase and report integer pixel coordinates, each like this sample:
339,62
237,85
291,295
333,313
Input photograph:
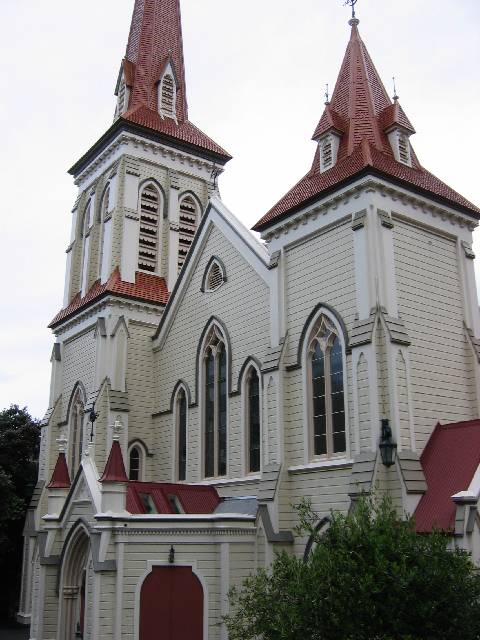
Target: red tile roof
192,498
147,287
60,477
156,40
361,111
449,461
184,131
114,469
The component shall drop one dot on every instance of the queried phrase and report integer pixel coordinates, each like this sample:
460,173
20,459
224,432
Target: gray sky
256,74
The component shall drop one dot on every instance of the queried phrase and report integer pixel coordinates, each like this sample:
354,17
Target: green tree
19,440
368,577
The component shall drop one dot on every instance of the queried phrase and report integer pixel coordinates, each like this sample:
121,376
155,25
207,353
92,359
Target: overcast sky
256,74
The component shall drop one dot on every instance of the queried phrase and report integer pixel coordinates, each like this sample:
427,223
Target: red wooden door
171,605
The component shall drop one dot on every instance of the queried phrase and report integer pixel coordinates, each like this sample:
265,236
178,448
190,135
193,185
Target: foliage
368,577
19,439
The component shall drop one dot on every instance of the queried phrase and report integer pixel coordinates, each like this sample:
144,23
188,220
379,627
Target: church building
206,378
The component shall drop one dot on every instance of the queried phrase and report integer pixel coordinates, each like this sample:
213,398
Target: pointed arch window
76,433
181,419
215,405
167,96
84,231
326,391
188,221
253,421
104,209
149,237
136,462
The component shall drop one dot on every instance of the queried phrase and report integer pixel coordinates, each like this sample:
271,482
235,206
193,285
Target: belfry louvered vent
327,154
215,277
404,149
168,96
187,228
149,223
121,99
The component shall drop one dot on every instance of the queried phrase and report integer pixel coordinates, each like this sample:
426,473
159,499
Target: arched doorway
73,589
171,605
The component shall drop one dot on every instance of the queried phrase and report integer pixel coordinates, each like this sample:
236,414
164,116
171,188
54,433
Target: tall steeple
151,89
361,128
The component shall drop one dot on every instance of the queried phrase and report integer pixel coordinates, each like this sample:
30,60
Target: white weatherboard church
204,381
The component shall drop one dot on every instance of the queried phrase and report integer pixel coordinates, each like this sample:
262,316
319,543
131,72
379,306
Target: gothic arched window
76,433
103,216
181,421
149,237
326,390
253,431
188,220
135,463
215,405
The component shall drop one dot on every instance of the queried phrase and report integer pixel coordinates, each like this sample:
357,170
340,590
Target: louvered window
215,277
404,149
103,217
121,98
148,242
327,154
187,228
167,96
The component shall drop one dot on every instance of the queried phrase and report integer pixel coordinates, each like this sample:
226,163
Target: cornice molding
177,156
370,185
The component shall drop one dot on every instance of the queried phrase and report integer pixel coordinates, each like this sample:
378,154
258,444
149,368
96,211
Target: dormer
167,92
400,143
123,87
328,148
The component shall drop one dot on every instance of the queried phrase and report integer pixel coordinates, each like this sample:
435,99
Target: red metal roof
361,111
60,477
449,461
192,498
115,468
147,287
156,40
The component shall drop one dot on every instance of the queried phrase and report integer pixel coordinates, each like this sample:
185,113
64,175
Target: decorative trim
206,271
359,219
467,248
274,259
321,465
385,219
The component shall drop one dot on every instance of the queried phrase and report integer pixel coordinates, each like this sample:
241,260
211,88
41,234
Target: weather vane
327,96
351,3
395,96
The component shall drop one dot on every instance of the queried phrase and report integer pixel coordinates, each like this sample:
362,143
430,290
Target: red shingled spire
156,39
361,115
60,477
115,468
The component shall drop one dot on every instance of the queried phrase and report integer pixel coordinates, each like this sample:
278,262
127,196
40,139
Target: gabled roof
147,288
449,460
192,498
362,113
60,477
115,468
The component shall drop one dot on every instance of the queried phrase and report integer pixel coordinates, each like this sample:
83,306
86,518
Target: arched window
103,216
135,464
86,219
187,227
167,96
76,432
253,420
181,419
215,405
149,241
326,390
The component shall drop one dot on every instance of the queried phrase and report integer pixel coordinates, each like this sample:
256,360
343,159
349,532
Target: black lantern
388,448
171,555
92,416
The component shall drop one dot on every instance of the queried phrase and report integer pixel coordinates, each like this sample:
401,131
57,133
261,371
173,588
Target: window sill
321,465
231,481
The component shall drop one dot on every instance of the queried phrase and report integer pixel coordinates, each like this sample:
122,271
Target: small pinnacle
395,96
327,96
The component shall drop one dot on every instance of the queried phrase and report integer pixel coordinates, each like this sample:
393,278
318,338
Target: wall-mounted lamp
388,448
171,555
92,416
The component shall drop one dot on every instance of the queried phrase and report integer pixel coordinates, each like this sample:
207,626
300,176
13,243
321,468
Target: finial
327,97
352,3
117,429
62,443
395,97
